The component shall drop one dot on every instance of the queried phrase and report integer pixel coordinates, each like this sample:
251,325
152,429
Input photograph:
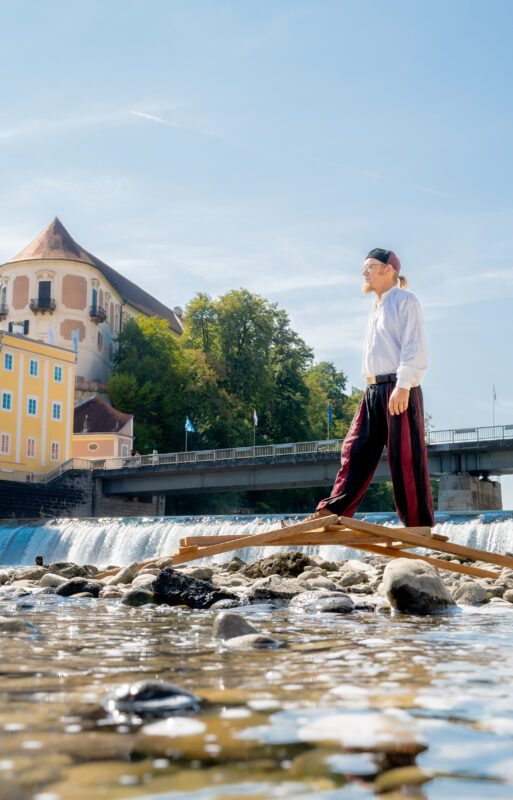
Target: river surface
347,707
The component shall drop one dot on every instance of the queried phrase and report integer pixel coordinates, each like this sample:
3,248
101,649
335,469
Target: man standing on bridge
391,411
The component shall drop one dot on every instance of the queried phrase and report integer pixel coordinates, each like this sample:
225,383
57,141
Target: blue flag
188,426
329,413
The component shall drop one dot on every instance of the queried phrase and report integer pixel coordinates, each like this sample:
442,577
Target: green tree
149,381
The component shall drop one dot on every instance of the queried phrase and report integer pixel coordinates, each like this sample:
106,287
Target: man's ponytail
403,283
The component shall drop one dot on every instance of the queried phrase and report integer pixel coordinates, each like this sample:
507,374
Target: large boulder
415,587
288,564
175,589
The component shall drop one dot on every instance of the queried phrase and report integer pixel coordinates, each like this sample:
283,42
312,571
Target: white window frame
7,393
34,440
57,404
36,373
58,446
11,357
8,451
29,398
55,368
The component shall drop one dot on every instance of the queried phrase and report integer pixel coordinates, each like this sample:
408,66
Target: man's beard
367,288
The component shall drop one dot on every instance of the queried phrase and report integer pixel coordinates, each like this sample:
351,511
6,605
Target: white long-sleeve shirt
395,340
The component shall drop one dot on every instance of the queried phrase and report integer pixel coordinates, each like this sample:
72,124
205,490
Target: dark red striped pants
372,428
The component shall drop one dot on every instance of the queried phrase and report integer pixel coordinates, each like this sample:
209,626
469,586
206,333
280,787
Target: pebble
138,596
228,625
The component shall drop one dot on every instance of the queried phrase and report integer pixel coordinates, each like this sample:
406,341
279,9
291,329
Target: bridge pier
465,492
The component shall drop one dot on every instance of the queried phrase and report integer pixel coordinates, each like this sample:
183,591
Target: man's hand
398,401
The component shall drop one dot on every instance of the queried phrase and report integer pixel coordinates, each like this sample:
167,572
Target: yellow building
37,383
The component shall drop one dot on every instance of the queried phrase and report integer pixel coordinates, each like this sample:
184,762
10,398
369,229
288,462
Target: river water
347,707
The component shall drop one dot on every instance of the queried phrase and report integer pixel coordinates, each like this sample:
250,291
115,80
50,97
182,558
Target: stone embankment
287,579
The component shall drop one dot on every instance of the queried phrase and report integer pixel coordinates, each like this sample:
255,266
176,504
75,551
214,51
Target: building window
5,443
57,374
31,447
8,362
100,341
6,401
124,449
56,410
55,450
93,446
32,407
34,368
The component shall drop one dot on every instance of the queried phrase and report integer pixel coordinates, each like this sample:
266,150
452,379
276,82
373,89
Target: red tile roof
101,417
56,243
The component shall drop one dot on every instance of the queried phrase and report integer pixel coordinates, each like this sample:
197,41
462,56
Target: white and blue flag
189,426
255,418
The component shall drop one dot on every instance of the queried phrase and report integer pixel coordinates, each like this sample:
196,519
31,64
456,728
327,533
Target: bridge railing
456,435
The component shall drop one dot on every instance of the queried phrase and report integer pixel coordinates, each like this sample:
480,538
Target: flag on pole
75,335
189,426
255,418
329,413
494,394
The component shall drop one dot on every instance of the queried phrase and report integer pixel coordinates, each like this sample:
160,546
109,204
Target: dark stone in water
289,564
77,586
175,589
149,699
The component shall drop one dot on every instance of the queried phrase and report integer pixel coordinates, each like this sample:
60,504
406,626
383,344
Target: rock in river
471,593
77,586
149,699
415,587
175,589
289,564
228,625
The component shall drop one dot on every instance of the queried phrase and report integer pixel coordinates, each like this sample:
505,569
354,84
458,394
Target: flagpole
186,440
254,433
493,407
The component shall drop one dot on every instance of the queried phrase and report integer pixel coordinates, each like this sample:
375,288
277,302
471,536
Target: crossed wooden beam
391,542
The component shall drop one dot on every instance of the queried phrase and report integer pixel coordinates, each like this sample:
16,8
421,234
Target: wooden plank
256,539
427,541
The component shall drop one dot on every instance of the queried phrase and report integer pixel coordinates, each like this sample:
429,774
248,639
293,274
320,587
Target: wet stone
51,579
150,699
228,625
273,587
415,587
125,575
175,589
289,564
260,641
318,601
472,594
334,605
138,596
12,625
77,585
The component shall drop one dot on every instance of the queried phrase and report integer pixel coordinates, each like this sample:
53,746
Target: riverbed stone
50,579
144,579
352,577
110,591
13,625
138,596
289,564
274,587
176,589
320,582
201,573
415,587
29,573
125,575
320,601
471,594
228,625
235,564
150,699
508,595
260,641
77,585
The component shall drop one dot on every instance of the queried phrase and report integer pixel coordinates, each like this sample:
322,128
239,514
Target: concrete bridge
462,459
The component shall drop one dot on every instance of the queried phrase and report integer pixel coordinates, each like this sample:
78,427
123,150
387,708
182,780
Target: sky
209,145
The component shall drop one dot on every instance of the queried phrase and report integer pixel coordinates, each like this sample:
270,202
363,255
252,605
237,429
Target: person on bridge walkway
391,411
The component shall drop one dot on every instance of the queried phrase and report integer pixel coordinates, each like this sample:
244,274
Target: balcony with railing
4,310
97,313
40,305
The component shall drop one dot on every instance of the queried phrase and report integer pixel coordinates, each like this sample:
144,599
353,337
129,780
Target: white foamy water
121,541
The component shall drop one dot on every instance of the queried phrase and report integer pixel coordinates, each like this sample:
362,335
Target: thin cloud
154,118
430,190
